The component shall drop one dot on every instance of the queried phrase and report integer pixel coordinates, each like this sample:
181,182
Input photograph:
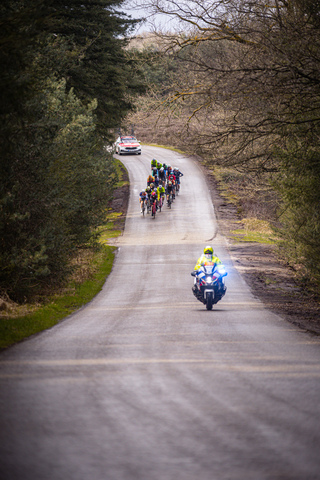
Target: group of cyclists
163,184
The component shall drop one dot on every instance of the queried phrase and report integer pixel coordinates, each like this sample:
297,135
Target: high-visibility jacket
160,190
203,260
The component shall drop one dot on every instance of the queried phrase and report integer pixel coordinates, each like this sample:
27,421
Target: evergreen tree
101,67
60,90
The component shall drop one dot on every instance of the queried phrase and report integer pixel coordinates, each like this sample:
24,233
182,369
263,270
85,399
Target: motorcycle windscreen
209,269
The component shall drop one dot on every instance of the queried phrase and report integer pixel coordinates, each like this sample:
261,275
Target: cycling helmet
208,250
148,189
170,183
161,169
153,194
151,185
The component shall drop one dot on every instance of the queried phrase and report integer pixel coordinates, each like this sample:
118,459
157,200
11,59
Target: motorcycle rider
208,257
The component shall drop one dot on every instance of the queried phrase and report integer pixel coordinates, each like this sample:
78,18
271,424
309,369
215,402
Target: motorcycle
209,287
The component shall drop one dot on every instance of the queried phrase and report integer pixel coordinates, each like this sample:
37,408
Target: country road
144,383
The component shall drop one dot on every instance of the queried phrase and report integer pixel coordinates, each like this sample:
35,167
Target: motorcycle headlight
209,280
222,271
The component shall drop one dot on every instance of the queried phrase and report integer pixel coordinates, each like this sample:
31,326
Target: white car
127,144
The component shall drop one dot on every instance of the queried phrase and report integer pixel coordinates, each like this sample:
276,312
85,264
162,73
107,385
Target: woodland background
239,87
237,83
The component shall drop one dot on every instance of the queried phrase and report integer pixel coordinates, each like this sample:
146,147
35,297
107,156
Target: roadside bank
270,280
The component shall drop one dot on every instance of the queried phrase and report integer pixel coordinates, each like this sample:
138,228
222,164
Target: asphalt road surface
144,383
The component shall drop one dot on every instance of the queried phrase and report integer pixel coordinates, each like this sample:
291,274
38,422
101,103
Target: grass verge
174,149
14,328
255,205
254,230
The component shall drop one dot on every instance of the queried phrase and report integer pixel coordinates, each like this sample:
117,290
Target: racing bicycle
154,209
143,206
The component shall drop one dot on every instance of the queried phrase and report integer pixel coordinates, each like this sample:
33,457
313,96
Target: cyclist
172,179
169,190
150,180
162,175
177,174
154,200
161,193
156,181
153,163
142,198
148,192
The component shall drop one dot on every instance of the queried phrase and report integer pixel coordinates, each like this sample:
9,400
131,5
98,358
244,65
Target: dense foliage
66,80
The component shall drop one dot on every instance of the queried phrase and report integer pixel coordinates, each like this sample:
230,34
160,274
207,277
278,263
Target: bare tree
250,70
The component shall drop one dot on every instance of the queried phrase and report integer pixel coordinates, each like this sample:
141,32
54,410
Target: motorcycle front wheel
209,302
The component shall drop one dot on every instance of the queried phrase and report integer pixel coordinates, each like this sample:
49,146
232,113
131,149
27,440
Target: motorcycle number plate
207,290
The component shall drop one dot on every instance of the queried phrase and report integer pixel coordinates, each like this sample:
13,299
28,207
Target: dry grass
255,230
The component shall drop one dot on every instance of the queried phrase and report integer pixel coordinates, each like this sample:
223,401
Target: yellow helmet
208,250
